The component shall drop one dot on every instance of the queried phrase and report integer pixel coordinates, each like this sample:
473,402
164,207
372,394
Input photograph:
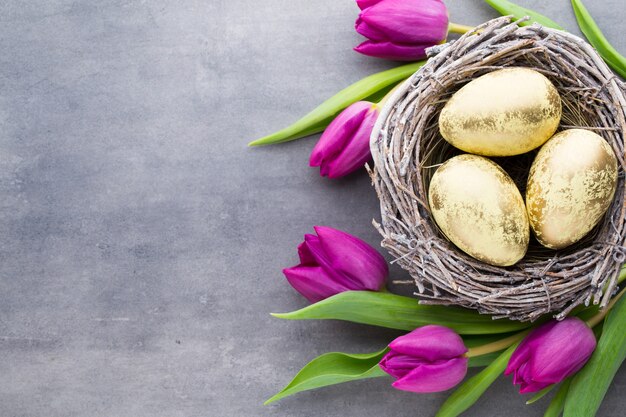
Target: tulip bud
429,359
344,146
334,262
401,29
551,353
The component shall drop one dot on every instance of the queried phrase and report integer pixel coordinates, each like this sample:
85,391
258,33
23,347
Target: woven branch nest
407,149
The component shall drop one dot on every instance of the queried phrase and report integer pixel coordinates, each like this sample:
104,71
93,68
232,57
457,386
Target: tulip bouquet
344,277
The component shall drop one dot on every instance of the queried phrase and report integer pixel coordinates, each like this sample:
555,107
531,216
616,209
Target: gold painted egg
571,184
503,113
478,207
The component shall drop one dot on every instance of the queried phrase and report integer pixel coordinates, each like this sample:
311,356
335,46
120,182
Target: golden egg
479,208
503,113
571,184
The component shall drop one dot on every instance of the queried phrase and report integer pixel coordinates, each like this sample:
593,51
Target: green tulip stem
595,320
497,345
456,28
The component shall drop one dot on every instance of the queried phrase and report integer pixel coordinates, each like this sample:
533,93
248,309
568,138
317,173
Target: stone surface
141,240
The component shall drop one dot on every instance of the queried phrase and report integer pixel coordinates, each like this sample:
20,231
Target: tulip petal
305,255
357,152
518,359
389,50
364,4
533,386
323,260
368,31
409,21
338,133
564,350
398,365
527,347
522,375
314,247
353,258
431,342
434,377
312,282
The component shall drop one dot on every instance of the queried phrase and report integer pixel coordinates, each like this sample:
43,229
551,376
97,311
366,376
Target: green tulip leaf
507,8
558,402
402,313
483,360
371,88
540,394
595,37
472,389
333,368
590,384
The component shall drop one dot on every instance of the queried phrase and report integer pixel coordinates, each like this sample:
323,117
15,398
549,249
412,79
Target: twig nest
408,147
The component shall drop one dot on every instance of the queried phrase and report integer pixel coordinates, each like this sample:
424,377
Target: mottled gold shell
505,112
479,208
571,184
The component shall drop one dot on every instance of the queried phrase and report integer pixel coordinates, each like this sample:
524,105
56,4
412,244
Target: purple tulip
551,353
344,146
401,29
429,359
334,262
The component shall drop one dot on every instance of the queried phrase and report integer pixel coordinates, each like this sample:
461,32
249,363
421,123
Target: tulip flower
551,353
429,359
344,146
402,29
334,262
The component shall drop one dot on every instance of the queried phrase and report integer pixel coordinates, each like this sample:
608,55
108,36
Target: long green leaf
402,313
368,88
506,8
472,389
595,37
333,368
590,385
558,402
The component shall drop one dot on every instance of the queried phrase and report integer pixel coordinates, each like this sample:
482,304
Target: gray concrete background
142,241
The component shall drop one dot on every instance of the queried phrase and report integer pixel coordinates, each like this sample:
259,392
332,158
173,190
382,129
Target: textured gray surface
142,242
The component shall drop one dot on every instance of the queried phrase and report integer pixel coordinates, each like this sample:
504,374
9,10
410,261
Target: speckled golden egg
505,112
479,208
571,184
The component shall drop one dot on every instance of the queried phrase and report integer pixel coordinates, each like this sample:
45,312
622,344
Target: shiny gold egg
571,184
479,208
503,113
